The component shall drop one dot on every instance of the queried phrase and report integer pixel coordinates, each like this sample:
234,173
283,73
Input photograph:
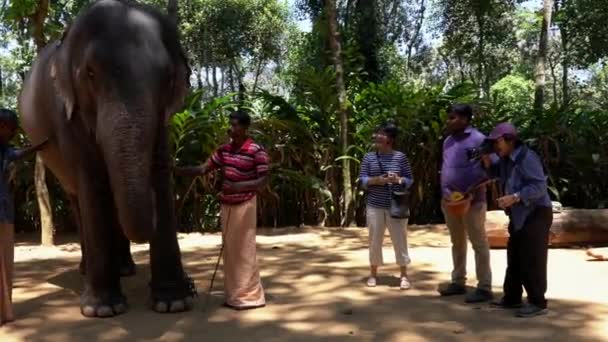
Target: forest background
319,75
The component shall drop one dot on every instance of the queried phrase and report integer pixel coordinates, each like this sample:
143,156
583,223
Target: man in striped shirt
244,166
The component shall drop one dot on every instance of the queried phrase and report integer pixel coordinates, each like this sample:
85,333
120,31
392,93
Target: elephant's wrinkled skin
103,95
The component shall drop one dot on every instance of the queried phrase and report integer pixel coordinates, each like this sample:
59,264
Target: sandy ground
314,281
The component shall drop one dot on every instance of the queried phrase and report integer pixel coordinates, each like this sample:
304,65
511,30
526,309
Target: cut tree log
571,227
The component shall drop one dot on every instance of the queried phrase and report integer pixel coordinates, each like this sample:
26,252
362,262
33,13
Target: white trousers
378,219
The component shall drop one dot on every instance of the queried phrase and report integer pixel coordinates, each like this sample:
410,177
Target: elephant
103,95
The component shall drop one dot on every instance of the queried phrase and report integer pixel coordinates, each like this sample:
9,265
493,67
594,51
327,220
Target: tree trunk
42,191
215,85
565,67
541,59
258,71
172,10
231,79
574,227
554,83
563,29
199,78
207,79
481,54
44,204
336,50
223,82
368,37
38,23
415,39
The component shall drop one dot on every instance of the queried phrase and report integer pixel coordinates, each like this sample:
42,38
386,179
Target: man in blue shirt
527,203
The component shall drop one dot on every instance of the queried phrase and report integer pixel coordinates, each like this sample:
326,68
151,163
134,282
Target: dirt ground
314,280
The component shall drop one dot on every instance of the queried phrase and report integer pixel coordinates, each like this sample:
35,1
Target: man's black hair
8,116
462,110
242,117
390,129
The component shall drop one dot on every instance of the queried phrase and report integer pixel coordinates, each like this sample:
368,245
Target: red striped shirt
248,163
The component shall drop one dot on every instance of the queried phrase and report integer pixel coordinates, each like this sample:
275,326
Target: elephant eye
90,74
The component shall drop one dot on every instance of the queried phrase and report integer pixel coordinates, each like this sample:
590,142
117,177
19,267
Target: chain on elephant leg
173,296
171,288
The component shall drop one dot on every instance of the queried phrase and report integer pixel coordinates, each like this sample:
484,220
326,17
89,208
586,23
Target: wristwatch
517,198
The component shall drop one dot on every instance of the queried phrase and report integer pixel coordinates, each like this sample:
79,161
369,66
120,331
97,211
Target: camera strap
380,165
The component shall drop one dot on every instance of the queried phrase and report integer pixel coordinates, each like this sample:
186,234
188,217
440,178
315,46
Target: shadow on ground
314,281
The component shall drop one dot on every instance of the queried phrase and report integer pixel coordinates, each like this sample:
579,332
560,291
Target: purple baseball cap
501,130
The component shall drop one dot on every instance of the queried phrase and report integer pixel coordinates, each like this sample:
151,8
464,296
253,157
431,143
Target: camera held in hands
475,153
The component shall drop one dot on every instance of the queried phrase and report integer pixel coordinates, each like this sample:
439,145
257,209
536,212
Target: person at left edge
8,154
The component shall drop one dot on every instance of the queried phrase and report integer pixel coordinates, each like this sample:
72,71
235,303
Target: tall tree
368,37
584,38
563,23
480,33
172,10
541,59
416,37
42,191
336,51
230,40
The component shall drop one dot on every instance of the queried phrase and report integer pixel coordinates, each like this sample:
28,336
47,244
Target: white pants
377,221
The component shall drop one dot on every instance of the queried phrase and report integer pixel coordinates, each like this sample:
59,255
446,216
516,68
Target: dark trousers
527,259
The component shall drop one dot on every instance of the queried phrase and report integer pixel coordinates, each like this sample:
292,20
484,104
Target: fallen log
571,227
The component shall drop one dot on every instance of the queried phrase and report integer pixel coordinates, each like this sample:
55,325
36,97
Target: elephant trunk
135,206
128,149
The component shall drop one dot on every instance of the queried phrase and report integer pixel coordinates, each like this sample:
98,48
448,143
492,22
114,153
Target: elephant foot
173,296
102,306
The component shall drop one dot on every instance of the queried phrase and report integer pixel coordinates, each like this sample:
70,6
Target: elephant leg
127,265
102,296
73,199
171,289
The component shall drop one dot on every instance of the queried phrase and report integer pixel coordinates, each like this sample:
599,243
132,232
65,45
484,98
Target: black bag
400,208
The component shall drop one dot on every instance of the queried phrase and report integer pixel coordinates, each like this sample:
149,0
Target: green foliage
481,34
585,22
513,94
194,134
429,54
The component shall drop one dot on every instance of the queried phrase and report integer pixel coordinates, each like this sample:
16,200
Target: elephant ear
60,72
180,86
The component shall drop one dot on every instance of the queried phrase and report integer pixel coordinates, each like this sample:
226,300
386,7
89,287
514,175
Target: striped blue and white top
379,196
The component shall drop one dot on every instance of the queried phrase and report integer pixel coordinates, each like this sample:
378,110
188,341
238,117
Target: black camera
475,153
